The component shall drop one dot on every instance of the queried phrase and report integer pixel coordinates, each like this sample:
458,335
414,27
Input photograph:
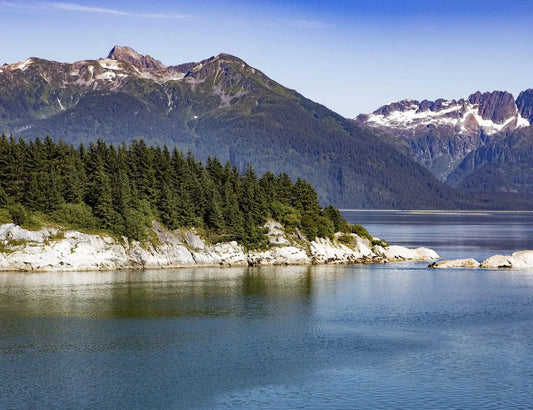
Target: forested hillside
503,164
123,189
220,107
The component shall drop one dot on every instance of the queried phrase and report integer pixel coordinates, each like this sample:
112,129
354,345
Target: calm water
382,336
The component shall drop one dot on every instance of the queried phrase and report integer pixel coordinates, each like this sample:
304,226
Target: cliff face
440,134
52,249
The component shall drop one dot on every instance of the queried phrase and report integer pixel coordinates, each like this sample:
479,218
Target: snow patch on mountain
109,64
23,65
462,115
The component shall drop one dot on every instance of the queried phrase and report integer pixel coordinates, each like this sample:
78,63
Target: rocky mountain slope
220,107
441,134
503,164
216,107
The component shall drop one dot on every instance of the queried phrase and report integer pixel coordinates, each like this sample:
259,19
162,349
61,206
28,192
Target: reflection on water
380,336
154,293
177,336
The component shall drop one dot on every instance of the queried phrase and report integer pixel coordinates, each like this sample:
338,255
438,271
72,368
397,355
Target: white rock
15,232
276,233
194,241
400,253
522,259
497,261
456,263
79,251
286,255
325,251
519,260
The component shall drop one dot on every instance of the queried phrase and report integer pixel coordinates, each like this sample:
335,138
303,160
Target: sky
351,56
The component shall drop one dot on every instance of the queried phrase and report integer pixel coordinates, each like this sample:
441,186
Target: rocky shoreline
518,260
67,250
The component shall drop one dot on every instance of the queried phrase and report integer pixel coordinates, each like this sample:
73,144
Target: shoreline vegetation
57,249
106,207
120,191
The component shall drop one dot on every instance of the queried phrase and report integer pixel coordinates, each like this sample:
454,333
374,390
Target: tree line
122,189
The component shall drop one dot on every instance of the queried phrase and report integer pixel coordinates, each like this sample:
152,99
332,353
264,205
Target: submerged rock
518,260
497,261
456,263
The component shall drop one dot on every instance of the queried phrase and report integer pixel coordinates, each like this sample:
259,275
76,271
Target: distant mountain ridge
220,107
490,112
442,134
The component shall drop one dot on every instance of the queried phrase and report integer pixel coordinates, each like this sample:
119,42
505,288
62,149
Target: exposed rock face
456,263
51,249
276,233
525,104
497,106
440,134
129,55
497,261
490,111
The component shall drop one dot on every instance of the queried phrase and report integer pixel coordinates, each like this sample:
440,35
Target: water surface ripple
371,337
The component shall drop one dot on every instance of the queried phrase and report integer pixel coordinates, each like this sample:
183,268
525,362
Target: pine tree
103,198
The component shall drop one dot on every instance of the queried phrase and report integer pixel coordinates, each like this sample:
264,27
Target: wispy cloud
102,10
73,7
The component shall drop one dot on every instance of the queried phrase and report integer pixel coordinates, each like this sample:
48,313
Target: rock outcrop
399,253
440,134
518,260
456,263
56,249
127,54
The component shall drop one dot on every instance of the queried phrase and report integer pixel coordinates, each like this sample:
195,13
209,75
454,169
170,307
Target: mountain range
481,143
223,107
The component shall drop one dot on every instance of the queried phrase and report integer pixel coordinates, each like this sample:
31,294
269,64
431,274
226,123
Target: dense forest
123,189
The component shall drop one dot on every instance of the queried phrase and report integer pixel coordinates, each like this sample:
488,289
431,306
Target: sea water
381,336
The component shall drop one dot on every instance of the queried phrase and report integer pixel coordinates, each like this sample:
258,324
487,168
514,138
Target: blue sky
352,56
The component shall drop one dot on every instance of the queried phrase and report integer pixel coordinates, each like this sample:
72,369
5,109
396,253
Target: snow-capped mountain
488,112
223,107
219,107
440,134
122,62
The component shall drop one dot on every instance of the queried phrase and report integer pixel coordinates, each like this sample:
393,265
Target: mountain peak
129,55
230,58
496,106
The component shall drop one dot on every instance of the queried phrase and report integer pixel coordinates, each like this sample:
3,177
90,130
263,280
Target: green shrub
309,226
325,228
79,216
5,217
334,215
134,225
34,221
380,242
286,215
18,214
4,200
346,239
361,232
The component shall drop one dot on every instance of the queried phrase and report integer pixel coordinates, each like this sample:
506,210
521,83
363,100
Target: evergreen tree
103,198
123,189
